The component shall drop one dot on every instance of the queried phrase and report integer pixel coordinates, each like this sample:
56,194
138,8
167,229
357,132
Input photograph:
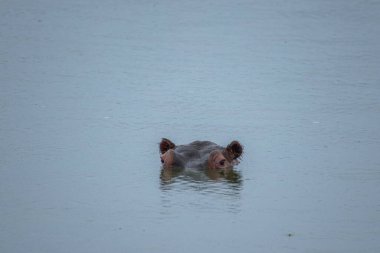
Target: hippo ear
165,145
235,149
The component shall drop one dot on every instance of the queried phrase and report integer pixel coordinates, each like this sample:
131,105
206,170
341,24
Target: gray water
88,89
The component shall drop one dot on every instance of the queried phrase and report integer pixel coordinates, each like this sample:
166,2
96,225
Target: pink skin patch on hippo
218,161
167,158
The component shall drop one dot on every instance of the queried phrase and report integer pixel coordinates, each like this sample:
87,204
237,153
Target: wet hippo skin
199,154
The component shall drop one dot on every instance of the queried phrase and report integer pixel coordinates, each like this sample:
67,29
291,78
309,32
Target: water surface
88,89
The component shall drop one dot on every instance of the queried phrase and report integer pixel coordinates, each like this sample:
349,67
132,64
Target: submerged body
199,154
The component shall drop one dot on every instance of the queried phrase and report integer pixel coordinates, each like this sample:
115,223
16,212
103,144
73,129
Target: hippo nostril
162,160
222,162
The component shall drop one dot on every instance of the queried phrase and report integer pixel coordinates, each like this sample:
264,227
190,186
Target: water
89,88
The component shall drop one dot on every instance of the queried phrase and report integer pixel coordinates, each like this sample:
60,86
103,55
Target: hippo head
199,154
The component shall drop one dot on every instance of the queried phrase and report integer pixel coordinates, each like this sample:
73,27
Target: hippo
199,155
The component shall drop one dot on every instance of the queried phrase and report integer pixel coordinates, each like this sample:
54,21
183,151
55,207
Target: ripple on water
201,191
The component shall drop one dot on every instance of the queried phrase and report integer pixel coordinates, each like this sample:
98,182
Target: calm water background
88,88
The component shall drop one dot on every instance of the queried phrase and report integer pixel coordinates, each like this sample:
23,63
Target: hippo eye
222,162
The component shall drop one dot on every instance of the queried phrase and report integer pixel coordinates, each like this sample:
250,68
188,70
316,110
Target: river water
88,89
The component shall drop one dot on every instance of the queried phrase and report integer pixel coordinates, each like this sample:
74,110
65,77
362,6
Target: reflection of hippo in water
197,176
200,154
